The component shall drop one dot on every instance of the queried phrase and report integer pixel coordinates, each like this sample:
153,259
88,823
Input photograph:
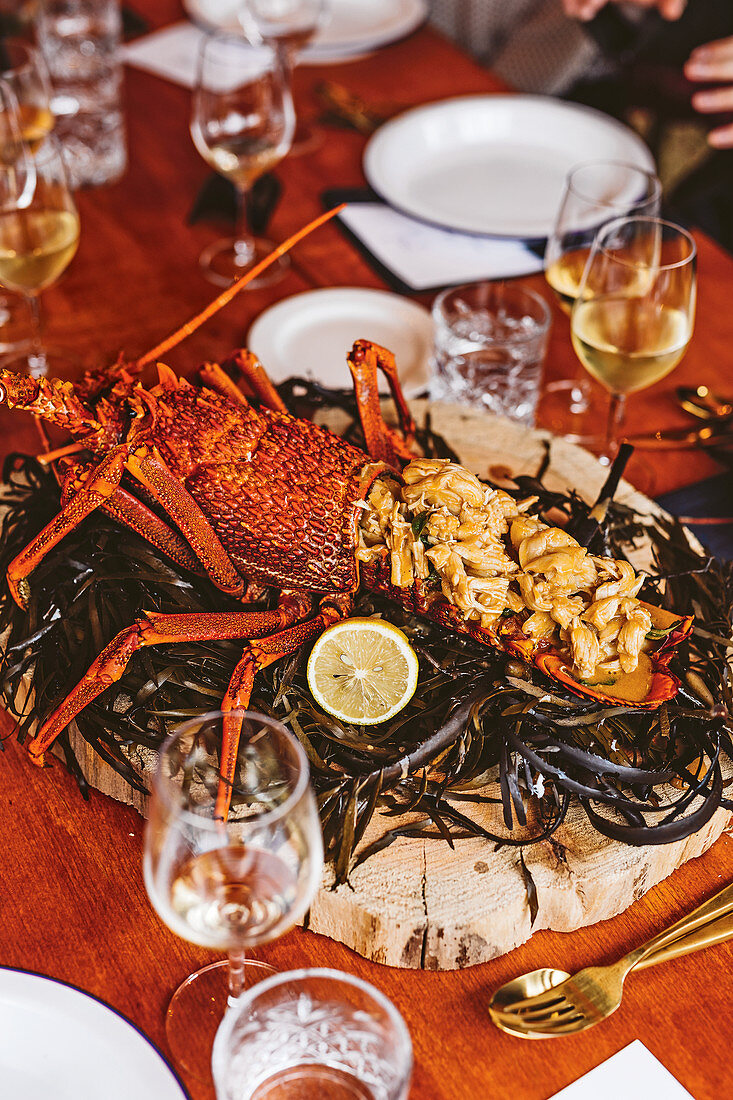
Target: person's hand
710,63
588,9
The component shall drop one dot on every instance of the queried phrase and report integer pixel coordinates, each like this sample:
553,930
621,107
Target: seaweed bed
642,777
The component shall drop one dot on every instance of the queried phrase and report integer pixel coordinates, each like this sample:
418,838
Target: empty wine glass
634,314
39,236
242,124
287,26
228,885
594,193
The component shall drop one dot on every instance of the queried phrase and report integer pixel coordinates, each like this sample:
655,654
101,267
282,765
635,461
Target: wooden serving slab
420,904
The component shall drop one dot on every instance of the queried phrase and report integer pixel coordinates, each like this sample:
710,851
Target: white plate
355,27
310,335
57,1042
492,164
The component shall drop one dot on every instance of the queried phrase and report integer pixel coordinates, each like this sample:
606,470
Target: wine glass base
568,410
222,262
24,358
197,1008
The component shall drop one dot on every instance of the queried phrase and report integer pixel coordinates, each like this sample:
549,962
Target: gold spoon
537,982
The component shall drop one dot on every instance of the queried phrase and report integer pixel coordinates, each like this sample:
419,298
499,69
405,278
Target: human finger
713,100
671,9
714,61
722,138
583,9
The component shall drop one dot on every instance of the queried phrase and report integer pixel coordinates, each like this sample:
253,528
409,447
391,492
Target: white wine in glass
242,124
228,884
633,318
39,236
23,70
594,193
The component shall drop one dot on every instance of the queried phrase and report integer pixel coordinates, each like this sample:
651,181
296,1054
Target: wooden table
72,901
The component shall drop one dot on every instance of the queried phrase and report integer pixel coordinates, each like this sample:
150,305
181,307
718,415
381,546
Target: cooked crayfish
253,496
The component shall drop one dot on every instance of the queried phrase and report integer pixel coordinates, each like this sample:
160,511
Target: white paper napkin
632,1074
171,53
425,257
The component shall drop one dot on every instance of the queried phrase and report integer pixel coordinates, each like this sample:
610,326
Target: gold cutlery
348,107
669,439
546,1002
701,402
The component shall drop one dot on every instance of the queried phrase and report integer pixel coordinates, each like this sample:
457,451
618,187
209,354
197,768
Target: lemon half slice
362,671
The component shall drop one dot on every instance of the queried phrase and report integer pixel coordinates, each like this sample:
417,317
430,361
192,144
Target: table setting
366,663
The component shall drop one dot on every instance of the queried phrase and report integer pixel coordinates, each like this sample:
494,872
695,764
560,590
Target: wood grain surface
72,901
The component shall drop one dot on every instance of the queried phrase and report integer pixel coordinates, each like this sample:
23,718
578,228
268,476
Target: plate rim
314,55
115,1012
416,307
493,97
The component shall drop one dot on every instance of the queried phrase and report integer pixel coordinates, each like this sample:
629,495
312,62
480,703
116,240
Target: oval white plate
356,27
492,164
311,334
57,1042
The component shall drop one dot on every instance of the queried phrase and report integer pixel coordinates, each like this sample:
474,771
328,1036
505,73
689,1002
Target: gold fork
592,994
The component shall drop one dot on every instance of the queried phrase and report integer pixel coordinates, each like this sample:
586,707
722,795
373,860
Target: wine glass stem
244,244
236,975
37,361
616,411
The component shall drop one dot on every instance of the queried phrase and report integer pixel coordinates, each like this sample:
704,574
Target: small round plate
311,334
56,1041
492,165
354,29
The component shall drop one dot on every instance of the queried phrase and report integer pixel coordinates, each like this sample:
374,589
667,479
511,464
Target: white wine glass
287,26
594,193
232,884
635,311
39,236
23,70
25,105
242,124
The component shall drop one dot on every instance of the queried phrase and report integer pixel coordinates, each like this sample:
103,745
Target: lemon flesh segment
362,671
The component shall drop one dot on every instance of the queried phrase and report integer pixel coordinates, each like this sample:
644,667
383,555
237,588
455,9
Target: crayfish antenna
50,398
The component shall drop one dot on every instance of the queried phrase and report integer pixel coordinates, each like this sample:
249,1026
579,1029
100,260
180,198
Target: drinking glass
633,317
39,235
242,125
228,884
80,40
489,345
594,193
287,26
312,1035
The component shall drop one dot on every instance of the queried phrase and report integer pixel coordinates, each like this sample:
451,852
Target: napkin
217,201
712,497
633,1073
413,256
171,53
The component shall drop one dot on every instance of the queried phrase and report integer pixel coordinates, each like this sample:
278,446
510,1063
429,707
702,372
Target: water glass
490,343
80,41
312,1035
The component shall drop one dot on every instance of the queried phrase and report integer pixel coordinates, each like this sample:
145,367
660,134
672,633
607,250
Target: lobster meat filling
494,558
